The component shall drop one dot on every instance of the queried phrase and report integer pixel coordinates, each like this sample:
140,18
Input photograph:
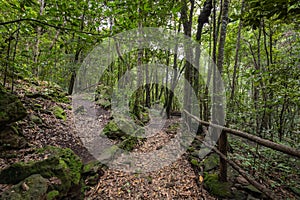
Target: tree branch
50,25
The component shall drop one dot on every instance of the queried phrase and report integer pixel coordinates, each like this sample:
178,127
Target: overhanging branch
50,25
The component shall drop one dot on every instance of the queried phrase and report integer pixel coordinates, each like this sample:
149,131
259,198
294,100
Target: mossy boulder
211,162
92,172
103,95
52,195
215,187
11,108
60,164
34,187
129,143
11,139
112,131
59,112
47,90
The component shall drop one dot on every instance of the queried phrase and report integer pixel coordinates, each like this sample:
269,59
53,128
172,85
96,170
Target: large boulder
11,139
11,108
33,187
60,166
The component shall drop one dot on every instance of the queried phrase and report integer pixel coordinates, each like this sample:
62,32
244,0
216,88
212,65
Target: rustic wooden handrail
261,141
251,180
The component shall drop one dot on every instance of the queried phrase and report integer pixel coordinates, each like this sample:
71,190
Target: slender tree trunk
36,53
187,21
139,92
202,19
219,105
13,58
236,60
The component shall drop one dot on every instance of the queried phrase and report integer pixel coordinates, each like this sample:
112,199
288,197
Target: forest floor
41,128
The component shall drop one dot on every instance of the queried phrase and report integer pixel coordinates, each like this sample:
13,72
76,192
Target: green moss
37,188
62,163
129,143
215,187
38,105
11,108
211,162
92,166
36,119
52,195
112,131
59,112
173,127
195,162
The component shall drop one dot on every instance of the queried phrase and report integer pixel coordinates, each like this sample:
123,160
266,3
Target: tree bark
236,60
219,98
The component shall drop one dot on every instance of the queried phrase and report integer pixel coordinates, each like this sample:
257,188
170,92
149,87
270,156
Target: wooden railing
258,140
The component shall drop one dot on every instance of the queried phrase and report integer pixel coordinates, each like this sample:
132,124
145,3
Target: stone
33,187
215,187
36,119
11,139
211,162
11,108
63,164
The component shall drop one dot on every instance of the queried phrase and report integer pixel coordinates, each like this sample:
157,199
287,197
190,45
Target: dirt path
174,181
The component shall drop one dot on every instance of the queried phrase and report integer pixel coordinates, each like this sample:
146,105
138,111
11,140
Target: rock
238,194
11,108
92,172
129,143
112,131
62,164
36,119
215,187
11,139
34,187
103,96
252,191
211,162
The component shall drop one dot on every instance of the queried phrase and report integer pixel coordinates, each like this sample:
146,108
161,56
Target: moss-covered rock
11,108
59,113
215,187
103,96
34,187
92,171
62,164
211,162
46,90
36,119
11,139
112,131
250,189
129,143
52,195
195,162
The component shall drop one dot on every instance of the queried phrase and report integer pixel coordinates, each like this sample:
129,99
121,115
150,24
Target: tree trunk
236,60
219,98
187,27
